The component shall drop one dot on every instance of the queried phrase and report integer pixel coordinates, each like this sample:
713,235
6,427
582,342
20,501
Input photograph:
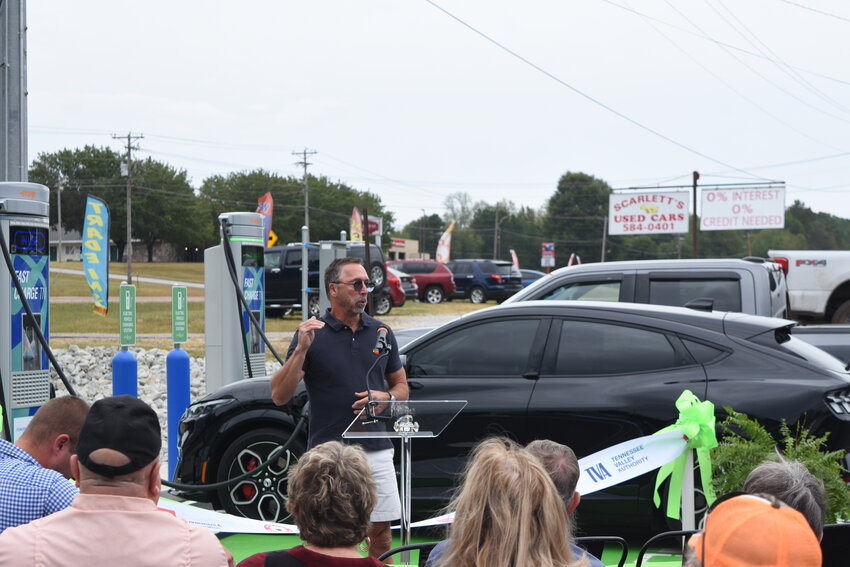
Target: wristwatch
392,397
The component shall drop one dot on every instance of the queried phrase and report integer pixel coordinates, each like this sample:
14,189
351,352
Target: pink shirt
112,531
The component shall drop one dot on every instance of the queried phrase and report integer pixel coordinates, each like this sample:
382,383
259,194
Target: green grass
70,285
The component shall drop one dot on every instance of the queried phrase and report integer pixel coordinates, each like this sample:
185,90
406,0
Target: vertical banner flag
356,233
444,246
514,259
96,252
265,206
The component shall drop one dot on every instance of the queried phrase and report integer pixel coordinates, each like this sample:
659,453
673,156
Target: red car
435,281
402,286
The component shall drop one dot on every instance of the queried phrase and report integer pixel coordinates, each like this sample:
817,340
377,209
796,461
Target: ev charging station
24,371
228,327
329,250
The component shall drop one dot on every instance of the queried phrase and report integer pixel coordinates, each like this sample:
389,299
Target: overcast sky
415,100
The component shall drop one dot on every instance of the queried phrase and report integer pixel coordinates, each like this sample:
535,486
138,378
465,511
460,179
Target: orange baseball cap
749,530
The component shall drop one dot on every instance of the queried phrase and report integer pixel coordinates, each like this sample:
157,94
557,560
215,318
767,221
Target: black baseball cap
124,424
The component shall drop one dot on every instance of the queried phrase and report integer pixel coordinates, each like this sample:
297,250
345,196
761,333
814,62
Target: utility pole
304,163
13,90
496,237
59,221
130,148
694,225
305,238
421,232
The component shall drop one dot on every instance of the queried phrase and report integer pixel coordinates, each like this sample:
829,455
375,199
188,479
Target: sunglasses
359,284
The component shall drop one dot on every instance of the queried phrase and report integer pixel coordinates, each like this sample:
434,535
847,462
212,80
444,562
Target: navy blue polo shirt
335,368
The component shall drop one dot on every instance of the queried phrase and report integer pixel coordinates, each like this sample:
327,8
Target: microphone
382,349
381,345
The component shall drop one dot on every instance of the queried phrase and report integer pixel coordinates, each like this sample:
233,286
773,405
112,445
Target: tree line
167,209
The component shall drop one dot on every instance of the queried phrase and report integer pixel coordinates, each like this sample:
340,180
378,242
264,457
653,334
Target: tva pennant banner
218,522
96,252
629,459
613,465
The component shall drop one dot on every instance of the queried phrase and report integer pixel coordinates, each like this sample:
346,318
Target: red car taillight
496,278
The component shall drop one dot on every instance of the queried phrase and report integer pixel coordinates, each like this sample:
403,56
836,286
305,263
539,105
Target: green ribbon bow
696,421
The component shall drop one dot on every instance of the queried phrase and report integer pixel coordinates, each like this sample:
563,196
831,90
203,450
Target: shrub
745,443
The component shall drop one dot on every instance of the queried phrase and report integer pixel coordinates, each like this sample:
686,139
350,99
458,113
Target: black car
480,280
587,374
283,276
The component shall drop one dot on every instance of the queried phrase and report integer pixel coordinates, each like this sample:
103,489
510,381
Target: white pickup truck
818,283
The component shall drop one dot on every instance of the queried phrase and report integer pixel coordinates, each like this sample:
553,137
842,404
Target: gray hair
791,482
334,270
560,463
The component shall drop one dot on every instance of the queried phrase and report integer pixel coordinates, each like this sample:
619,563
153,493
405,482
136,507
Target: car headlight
198,410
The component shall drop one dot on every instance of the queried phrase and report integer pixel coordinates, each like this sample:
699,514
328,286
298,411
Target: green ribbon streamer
696,421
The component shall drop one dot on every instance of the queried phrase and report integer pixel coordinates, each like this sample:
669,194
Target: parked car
407,286
530,276
587,374
435,281
283,276
480,280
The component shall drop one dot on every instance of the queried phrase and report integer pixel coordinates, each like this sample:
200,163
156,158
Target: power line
703,35
585,95
815,10
725,83
778,61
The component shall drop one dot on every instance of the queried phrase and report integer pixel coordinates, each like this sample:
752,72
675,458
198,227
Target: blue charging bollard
125,373
177,382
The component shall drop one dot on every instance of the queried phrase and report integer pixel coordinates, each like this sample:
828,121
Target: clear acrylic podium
404,420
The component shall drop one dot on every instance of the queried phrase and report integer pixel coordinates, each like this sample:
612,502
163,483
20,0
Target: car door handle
275,270
415,385
531,375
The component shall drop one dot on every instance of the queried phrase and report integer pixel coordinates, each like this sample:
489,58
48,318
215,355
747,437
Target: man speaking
332,354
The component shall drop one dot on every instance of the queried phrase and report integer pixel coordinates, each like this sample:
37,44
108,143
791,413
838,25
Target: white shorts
388,507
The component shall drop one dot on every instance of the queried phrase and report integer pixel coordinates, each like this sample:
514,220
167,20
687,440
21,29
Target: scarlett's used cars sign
648,212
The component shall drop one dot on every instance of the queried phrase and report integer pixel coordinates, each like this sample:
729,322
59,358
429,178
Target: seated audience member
561,464
507,513
34,471
331,495
749,529
114,520
791,482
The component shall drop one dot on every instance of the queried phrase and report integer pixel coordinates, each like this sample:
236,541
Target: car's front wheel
477,295
263,495
434,294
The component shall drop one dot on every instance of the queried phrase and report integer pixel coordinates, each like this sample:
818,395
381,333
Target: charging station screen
29,250
254,292
29,240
